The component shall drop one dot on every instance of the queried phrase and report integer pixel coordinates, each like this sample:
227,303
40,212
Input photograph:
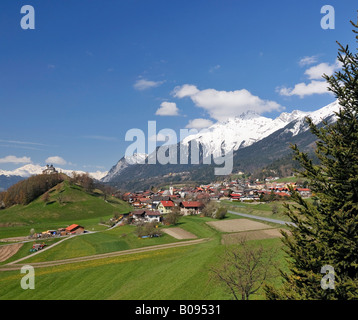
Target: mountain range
8,178
256,141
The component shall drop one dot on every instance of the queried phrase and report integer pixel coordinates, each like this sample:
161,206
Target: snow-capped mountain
124,163
256,140
33,169
250,127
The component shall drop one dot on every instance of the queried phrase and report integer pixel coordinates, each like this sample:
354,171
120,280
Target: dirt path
179,233
8,251
13,266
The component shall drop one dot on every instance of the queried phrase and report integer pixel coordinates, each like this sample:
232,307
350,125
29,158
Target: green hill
66,204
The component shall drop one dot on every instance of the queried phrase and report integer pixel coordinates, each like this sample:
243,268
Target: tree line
28,190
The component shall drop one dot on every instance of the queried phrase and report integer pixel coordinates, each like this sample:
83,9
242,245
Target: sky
91,70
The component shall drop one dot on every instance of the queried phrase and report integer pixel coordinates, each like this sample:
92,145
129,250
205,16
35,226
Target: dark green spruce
326,231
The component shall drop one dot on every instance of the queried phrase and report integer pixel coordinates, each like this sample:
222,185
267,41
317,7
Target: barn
75,229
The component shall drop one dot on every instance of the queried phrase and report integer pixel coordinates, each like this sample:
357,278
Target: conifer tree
326,233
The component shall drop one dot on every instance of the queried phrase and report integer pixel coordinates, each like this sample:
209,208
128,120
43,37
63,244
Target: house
153,216
235,196
146,216
165,206
138,215
75,229
137,204
304,192
191,207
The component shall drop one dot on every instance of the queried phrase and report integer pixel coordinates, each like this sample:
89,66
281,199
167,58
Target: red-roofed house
235,196
75,229
165,206
304,192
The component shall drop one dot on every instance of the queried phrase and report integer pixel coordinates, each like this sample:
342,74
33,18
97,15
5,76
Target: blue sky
91,70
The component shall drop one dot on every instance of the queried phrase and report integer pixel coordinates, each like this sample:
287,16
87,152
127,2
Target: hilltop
64,204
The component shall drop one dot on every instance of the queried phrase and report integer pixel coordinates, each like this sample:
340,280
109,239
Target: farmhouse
138,215
75,229
153,216
146,216
191,207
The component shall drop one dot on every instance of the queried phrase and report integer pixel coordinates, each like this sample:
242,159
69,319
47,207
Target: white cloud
167,109
307,61
199,123
317,85
302,89
14,159
56,160
187,90
222,105
143,84
316,72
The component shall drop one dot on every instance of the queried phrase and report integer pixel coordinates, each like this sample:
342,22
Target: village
151,205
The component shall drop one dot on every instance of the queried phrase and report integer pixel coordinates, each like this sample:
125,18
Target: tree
274,208
213,210
220,213
244,268
173,216
149,229
326,233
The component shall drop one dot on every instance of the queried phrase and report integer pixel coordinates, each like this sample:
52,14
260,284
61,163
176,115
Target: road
261,218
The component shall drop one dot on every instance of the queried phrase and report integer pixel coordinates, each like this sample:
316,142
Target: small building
146,216
75,229
138,215
191,207
49,170
235,196
153,216
304,192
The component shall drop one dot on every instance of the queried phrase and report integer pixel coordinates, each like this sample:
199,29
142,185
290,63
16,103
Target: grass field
177,273
76,206
173,273
259,209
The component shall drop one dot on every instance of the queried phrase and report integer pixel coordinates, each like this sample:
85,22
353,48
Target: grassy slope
176,273
77,207
120,238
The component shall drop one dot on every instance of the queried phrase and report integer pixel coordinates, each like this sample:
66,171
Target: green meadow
172,273
175,273
67,204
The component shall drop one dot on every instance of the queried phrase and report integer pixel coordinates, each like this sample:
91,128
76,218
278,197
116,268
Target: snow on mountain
316,116
250,127
33,169
235,133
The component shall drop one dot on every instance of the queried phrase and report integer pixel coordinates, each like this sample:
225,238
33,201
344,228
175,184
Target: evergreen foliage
326,233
